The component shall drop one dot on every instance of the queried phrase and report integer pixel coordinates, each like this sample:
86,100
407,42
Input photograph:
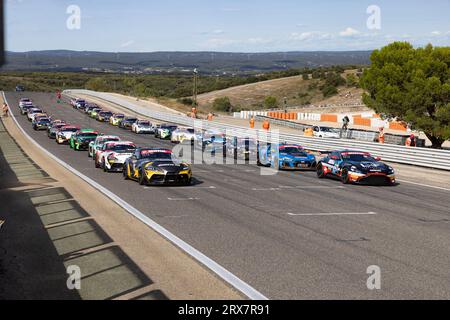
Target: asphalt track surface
290,236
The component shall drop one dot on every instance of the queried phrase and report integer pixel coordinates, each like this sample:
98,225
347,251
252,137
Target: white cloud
127,44
436,33
348,32
218,31
310,35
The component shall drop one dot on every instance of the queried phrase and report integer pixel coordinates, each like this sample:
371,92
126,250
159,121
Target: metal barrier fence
424,157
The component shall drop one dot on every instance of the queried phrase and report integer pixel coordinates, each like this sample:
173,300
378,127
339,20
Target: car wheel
320,172
96,162
344,176
125,171
105,168
276,164
142,181
188,182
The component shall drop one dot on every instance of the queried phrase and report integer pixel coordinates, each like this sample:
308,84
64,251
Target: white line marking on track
183,199
280,188
331,213
424,185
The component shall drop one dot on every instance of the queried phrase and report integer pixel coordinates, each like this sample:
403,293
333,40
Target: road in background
290,236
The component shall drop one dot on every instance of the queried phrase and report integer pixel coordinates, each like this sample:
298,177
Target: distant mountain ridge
178,62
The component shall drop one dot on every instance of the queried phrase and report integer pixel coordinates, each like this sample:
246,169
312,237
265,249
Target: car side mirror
377,158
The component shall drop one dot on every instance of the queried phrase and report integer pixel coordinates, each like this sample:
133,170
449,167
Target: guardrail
361,135
424,157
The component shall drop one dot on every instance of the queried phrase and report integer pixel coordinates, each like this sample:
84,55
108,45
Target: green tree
411,85
352,80
329,90
305,76
222,104
270,102
97,84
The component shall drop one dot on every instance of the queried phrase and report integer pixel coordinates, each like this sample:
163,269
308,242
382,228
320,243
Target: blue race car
288,157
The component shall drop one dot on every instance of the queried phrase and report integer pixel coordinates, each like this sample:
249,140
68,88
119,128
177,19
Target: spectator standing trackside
194,112
345,121
411,141
210,116
252,122
381,135
266,125
5,109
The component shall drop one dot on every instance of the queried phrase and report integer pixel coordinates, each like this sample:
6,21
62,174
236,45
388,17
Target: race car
210,140
89,107
326,132
156,166
285,157
24,105
116,118
113,154
355,167
142,126
53,128
77,103
127,122
242,148
80,140
93,113
180,135
165,131
64,133
41,123
33,111
103,116
97,144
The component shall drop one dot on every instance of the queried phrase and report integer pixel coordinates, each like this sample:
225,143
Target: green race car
94,112
80,140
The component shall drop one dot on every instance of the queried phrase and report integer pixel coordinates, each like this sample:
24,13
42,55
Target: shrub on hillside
222,104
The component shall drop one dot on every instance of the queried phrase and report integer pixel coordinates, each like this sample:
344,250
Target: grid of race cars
153,165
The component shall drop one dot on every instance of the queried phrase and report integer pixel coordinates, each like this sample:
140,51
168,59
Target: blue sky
223,25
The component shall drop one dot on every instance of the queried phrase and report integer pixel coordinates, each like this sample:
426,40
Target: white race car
182,135
326,132
65,133
113,155
32,112
98,143
142,126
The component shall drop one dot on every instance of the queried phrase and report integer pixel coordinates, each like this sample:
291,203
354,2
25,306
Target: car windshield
144,123
295,151
103,140
151,154
119,116
358,157
123,148
131,119
107,113
327,129
70,129
87,135
44,120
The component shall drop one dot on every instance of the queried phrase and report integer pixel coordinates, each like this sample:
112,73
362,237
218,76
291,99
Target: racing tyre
344,176
142,181
125,171
96,163
105,168
320,173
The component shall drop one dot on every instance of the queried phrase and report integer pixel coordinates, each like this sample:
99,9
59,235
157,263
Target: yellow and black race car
156,166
